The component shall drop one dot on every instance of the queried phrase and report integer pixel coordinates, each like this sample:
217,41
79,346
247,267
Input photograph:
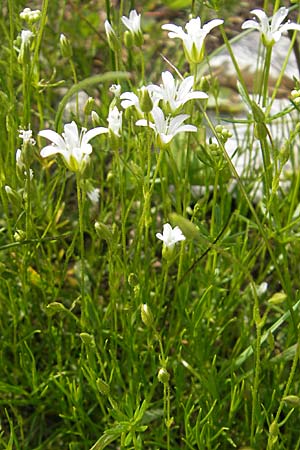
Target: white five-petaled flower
175,94
166,128
270,32
193,39
72,145
115,121
170,236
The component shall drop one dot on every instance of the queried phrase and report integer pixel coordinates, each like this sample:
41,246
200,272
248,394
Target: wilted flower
166,128
193,39
72,145
176,93
133,25
270,32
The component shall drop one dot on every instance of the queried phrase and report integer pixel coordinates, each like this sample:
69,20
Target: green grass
213,362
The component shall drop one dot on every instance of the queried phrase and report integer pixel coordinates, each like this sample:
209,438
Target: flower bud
89,105
146,102
163,376
88,340
112,38
19,235
30,16
146,315
292,400
24,54
128,39
103,387
104,232
133,280
95,118
65,46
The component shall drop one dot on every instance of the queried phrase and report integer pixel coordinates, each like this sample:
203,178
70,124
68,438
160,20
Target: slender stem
81,237
283,280
258,323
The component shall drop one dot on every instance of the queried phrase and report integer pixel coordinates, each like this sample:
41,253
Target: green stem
80,202
286,390
259,323
283,280
265,78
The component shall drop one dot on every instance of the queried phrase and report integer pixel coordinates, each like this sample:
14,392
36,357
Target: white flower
26,136
74,147
175,93
115,89
133,25
26,36
271,33
133,22
115,121
193,39
94,195
170,235
166,128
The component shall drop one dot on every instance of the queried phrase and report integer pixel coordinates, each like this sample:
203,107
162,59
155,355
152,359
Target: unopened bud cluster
295,96
30,16
223,133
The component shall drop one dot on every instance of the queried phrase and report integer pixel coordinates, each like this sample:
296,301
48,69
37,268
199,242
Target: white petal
141,123
212,24
53,137
92,133
176,122
250,24
159,119
50,150
278,18
173,28
289,26
185,128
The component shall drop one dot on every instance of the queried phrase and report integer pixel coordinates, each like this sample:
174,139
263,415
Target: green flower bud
103,387
112,38
292,400
65,46
128,39
163,376
89,105
88,340
146,315
146,102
